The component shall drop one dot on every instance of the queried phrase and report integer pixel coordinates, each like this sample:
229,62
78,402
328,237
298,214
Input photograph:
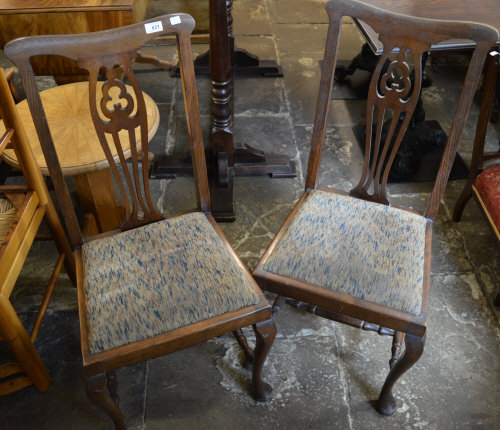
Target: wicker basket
7,214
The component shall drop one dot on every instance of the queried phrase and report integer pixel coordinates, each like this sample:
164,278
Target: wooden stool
22,209
80,153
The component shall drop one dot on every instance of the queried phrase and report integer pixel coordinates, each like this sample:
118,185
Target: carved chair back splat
158,284
393,92
116,111
354,257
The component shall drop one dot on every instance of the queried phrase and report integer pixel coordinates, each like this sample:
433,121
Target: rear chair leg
278,303
386,404
242,341
113,386
397,343
265,332
99,393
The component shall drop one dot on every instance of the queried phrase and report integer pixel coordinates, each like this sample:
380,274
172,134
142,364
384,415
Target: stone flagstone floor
325,375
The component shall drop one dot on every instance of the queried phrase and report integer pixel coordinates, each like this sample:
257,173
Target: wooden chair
159,283
22,209
355,257
484,175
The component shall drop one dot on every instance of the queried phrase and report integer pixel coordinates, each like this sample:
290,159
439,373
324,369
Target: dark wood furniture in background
226,158
484,181
24,18
355,257
419,154
158,284
23,209
20,18
242,61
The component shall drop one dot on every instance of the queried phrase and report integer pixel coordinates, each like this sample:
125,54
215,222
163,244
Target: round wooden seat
75,139
79,150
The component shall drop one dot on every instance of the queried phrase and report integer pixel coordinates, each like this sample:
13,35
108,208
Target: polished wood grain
391,100
103,51
479,11
20,6
19,18
71,125
79,150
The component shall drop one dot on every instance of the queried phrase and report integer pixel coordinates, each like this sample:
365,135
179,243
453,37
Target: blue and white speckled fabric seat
156,278
364,249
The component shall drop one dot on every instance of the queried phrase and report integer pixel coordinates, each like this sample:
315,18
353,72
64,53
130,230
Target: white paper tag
153,27
494,53
175,20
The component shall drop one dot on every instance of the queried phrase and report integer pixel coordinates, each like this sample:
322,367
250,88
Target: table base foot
248,161
243,64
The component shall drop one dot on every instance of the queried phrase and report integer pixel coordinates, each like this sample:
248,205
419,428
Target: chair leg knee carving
101,390
265,332
386,404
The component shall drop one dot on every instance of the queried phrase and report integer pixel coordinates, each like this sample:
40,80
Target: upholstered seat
159,283
156,278
364,249
353,257
487,185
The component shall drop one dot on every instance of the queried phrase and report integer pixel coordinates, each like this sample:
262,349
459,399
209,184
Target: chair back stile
117,116
153,287
393,93
351,257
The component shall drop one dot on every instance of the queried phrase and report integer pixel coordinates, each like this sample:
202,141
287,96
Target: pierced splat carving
112,112
392,98
114,99
396,84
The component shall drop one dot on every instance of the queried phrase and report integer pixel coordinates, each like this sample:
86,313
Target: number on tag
153,27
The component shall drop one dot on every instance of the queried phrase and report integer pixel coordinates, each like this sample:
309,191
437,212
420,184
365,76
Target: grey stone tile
300,38
341,163
311,38
177,195
292,12
209,386
260,45
325,375
451,359
302,76
172,134
59,347
250,17
261,206
30,288
255,96
267,133
158,143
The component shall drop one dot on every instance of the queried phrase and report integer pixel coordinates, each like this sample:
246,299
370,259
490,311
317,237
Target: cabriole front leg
265,332
386,404
98,390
